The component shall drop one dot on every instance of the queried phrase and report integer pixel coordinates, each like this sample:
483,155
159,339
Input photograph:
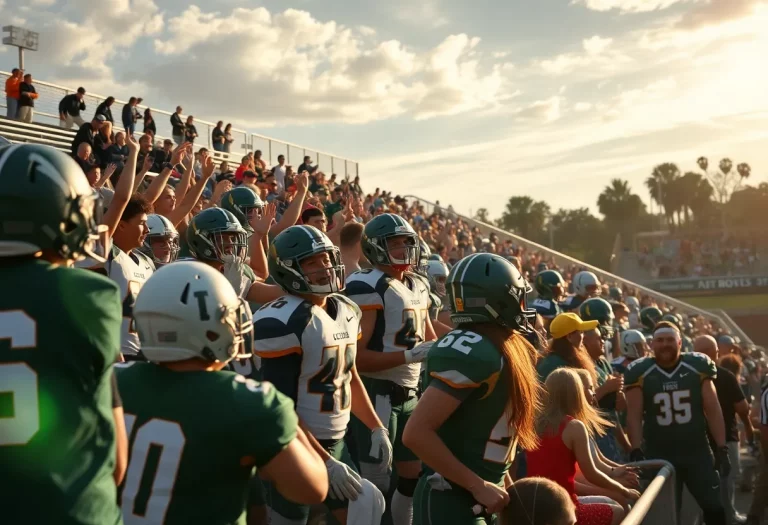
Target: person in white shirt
279,172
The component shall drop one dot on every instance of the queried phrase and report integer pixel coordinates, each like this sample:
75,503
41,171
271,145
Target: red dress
555,461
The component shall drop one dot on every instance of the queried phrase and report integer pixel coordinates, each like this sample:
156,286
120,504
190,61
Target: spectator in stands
228,138
105,108
349,244
87,132
245,165
307,165
129,121
355,187
190,131
258,161
118,150
280,171
12,85
177,127
102,141
70,107
566,349
84,153
217,137
149,122
163,156
145,148
334,203
27,97
137,116
314,217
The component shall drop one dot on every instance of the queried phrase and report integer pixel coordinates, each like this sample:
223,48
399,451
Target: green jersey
673,420
194,439
57,434
469,367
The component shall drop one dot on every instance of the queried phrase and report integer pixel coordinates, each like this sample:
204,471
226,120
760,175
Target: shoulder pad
634,373
352,305
370,276
464,359
701,363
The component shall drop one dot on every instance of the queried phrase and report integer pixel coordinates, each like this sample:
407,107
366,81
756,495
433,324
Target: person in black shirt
190,131
217,137
86,133
70,107
732,402
178,127
105,108
27,96
129,122
149,123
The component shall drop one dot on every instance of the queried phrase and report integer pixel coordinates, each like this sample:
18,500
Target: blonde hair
565,397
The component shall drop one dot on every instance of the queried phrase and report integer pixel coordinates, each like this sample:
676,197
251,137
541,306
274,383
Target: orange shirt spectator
12,93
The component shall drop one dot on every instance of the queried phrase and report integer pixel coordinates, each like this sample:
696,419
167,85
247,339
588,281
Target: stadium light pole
22,39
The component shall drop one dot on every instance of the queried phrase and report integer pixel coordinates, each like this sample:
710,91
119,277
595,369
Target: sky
463,102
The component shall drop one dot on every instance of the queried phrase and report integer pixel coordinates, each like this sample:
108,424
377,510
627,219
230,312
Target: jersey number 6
19,380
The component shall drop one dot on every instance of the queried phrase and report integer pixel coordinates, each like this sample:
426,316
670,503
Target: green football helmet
376,237
47,204
214,234
243,203
486,288
291,247
424,257
616,295
598,309
675,319
550,285
649,316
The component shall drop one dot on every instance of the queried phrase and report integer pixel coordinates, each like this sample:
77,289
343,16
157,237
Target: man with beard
671,403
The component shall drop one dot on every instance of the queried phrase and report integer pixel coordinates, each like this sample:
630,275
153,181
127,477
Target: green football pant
436,502
297,512
697,472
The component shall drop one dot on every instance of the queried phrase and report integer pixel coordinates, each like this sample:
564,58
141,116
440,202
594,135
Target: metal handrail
245,140
664,477
570,260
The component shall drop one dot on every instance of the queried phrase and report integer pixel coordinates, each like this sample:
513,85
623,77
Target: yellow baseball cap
565,324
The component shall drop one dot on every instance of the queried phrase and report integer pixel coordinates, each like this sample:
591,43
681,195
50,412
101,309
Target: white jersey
401,308
130,272
308,352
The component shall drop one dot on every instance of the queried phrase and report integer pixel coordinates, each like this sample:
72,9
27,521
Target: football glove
343,482
233,271
381,447
723,462
418,353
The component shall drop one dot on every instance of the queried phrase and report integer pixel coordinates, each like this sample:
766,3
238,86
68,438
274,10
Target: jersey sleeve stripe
270,354
276,344
454,379
367,299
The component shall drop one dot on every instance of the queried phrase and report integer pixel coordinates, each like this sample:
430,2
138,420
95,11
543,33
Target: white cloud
423,13
629,6
289,67
545,111
596,44
581,107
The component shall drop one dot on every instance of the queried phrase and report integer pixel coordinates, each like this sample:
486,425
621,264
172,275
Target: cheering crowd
284,339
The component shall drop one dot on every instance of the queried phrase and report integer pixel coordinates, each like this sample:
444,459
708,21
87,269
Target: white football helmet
160,228
633,345
586,284
187,309
632,303
437,272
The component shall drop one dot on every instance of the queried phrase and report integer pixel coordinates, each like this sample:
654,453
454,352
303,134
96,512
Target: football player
307,341
216,238
395,325
649,316
550,287
248,207
671,403
196,431
677,320
481,396
585,285
437,273
632,346
59,336
162,242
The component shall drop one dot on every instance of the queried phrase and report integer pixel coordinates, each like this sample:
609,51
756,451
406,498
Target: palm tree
617,203
661,185
696,193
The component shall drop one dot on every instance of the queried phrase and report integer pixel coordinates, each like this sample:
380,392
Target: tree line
710,201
